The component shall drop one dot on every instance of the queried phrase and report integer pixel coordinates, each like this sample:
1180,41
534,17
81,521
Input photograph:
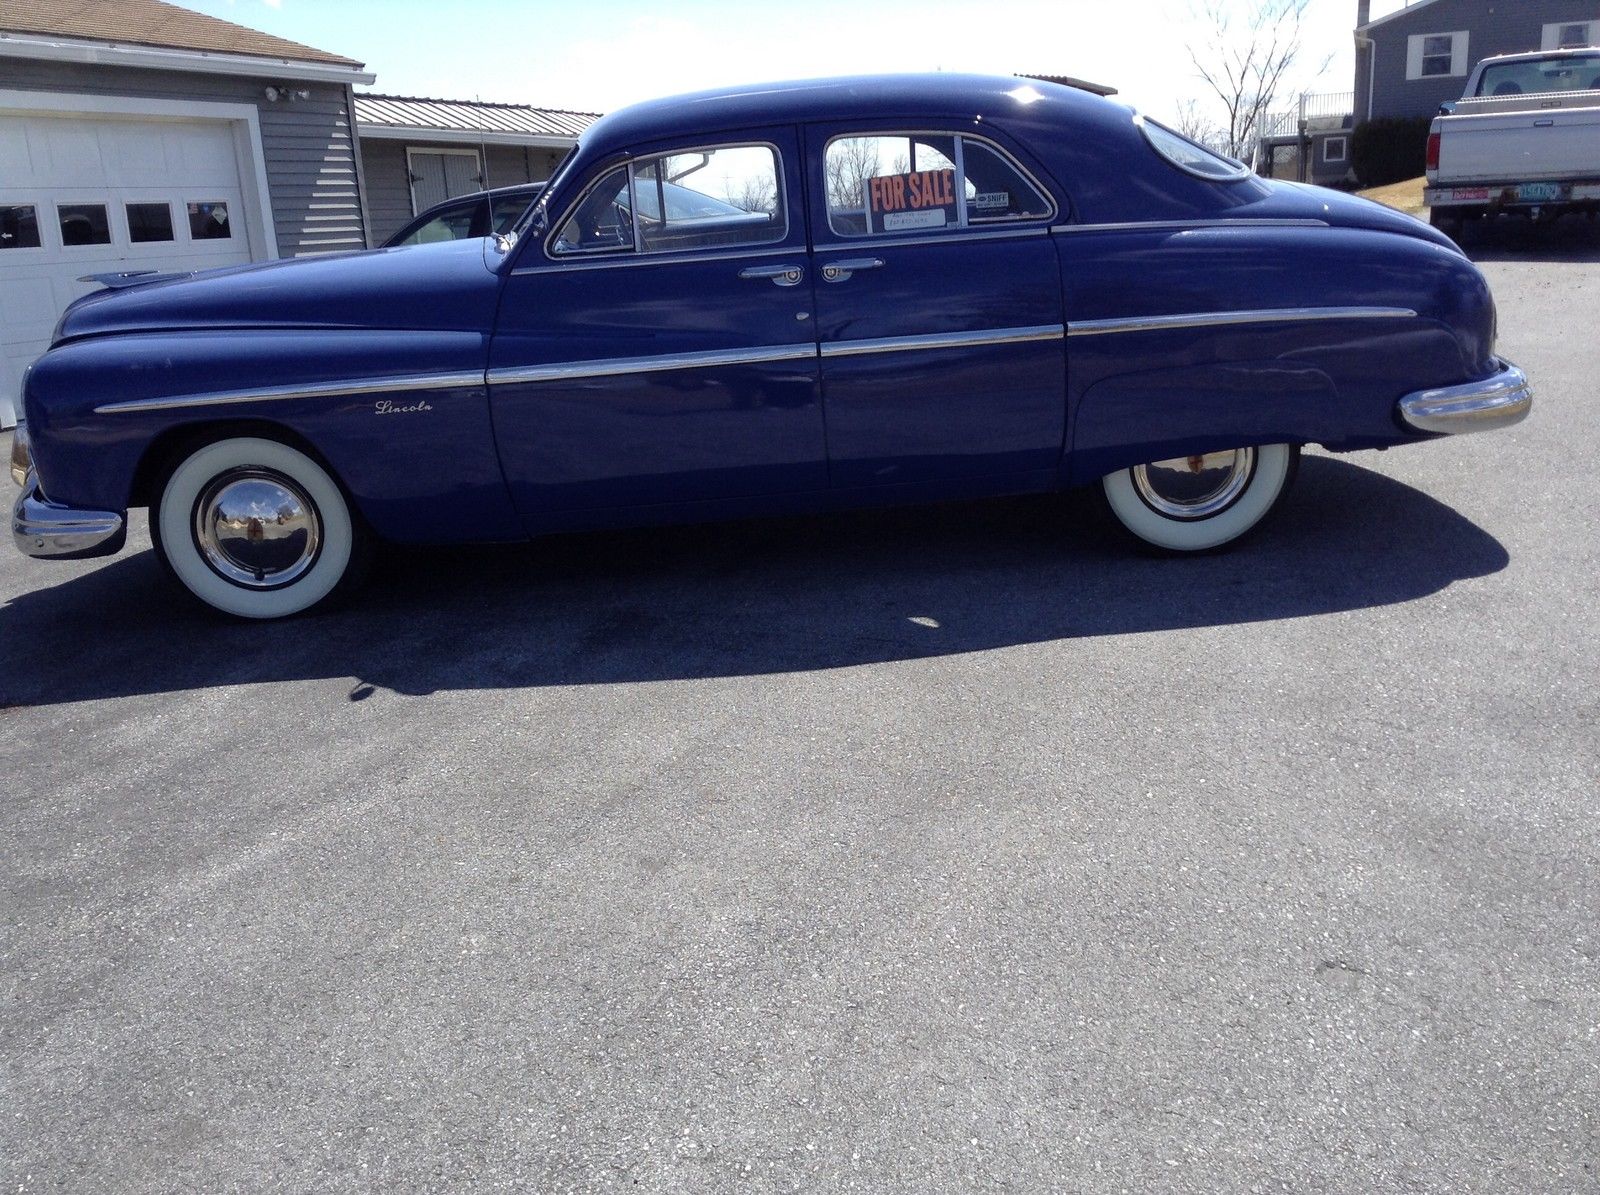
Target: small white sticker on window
932,218
992,199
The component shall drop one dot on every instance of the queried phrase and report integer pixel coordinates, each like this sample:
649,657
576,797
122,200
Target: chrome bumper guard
50,531
1503,398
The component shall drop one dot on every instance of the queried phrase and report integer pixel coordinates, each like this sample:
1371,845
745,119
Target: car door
939,308
655,344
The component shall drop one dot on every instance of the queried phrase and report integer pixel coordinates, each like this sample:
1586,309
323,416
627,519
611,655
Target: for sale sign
914,199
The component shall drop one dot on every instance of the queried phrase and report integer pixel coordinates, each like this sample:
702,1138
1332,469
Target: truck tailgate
1555,144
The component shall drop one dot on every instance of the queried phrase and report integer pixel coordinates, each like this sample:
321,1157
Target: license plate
1535,192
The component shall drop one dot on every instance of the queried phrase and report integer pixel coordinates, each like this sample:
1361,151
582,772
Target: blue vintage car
770,299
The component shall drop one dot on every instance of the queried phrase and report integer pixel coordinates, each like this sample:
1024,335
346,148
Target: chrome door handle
780,275
838,271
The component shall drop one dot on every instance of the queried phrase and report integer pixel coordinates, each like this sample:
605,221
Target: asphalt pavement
955,849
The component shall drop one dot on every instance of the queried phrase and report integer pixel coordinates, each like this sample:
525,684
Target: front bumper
50,531
1499,400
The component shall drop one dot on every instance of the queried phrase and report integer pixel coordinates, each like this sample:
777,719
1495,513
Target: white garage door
86,195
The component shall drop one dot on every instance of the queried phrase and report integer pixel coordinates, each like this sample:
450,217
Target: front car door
939,309
655,344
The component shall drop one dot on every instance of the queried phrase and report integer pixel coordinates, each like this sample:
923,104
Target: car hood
451,285
1302,201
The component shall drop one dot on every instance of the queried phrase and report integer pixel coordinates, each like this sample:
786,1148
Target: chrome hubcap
257,528
1195,487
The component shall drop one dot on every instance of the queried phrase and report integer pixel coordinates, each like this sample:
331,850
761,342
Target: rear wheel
1196,503
257,529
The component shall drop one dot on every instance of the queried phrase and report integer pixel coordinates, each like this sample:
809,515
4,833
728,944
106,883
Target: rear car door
939,308
655,345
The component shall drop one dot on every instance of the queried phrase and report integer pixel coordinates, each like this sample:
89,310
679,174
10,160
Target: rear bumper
1499,400
1510,195
49,531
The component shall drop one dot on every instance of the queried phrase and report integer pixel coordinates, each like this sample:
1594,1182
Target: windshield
1569,72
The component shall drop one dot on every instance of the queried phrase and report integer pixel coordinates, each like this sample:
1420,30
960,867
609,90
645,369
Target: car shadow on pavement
750,598
1569,239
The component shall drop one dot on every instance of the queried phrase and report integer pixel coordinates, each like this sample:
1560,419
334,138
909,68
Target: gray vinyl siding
1492,26
389,185
307,148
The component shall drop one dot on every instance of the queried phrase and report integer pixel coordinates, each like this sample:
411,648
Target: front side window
452,224
720,197
1573,72
883,183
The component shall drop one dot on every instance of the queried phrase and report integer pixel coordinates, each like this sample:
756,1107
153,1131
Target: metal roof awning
419,118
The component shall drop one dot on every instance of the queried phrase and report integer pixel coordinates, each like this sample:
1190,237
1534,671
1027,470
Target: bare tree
851,162
1249,48
1197,126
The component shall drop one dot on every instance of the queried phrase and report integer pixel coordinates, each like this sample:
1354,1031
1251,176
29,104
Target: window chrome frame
631,164
966,227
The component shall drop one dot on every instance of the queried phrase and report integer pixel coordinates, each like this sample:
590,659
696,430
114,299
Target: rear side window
1190,156
885,183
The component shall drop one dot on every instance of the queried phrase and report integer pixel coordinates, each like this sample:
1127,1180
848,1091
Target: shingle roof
419,112
152,23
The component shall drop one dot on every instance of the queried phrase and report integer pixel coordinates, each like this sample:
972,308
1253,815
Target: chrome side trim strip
942,340
954,237
1503,398
1187,225
1215,319
563,371
225,398
635,261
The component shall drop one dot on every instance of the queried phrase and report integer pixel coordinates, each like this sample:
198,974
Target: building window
84,224
1437,55
19,226
149,222
1336,149
1565,35
209,222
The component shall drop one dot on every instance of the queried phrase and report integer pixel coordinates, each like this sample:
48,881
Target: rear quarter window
1190,156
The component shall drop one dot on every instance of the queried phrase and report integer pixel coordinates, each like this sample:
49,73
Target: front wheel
257,529
1195,503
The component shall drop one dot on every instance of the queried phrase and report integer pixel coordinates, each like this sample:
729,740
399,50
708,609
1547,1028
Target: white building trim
205,62
243,118
1551,39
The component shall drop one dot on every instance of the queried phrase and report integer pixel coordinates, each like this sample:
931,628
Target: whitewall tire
1196,503
256,529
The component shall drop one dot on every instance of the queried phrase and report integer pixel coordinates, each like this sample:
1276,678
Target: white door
95,194
440,174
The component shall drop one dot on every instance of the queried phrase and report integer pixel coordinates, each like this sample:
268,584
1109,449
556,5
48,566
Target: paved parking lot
951,849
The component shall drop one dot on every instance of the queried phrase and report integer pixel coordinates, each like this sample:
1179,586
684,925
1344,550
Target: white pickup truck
1524,139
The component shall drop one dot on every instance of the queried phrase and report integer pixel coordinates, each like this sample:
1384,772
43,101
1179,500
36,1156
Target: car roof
1540,55
860,97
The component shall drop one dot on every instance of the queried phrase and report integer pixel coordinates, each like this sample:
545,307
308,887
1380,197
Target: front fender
401,417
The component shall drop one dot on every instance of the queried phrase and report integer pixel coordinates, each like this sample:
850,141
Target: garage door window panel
209,222
19,226
84,224
149,222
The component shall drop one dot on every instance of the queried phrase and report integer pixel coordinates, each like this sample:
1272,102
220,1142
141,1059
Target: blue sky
596,55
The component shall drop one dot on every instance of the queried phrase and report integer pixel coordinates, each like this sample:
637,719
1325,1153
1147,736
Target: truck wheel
257,529
1449,224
